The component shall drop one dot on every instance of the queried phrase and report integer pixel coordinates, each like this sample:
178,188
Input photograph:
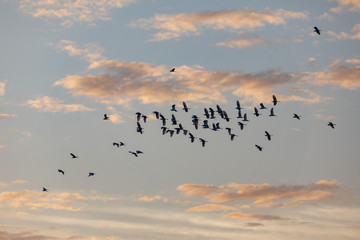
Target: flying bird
157,114
267,134
258,147
192,137
61,171
45,189
173,108
238,107
206,113
226,117
317,30
229,130
171,132
91,174
241,125
275,101
186,109
73,155
138,116
232,136
139,152
106,117
256,112
163,130
172,70
212,113
296,116
133,153
262,106
144,118
332,125
239,114
122,144
272,113
245,118
173,119
205,124
116,144
202,142
139,128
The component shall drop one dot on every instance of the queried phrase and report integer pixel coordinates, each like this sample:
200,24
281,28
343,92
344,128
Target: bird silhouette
133,153
202,142
296,116
144,117
171,132
172,70
196,123
245,119
332,125
73,155
239,114
262,106
275,101
186,109
229,130
241,125
91,174
139,152
205,124
238,107
256,112
192,138
212,113
157,114
226,117
173,108
163,130
258,147
317,30
267,134
272,113
106,117
45,189
232,136
116,144
138,116
139,129
121,144
61,171
207,115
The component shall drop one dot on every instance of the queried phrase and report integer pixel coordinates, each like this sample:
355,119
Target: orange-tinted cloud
175,26
50,104
153,198
2,87
70,12
264,195
244,216
210,208
351,5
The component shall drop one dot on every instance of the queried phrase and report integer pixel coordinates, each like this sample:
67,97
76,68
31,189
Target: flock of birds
209,115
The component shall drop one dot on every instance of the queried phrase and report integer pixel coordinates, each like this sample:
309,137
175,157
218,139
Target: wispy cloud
243,43
25,235
90,51
70,12
245,216
175,26
350,5
210,208
50,104
7,116
2,87
153,198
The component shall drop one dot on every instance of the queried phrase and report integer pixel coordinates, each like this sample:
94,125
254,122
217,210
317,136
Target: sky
66,63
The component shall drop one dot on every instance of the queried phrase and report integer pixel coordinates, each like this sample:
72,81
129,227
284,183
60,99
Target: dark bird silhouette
232,136
178,130
267,134
245,119
214,128
116,144
229,130
206,113
256,112
173,108
91,174
192,138
144,117
241,125
196,123
138,116
61,171
139,129
171,132
332,125
45,189
157,114
296,116
172,70
212,113
219,110
185,108
272,113
139,152
185,132
73,155
218,126
163,130
238,107
275,101
202,142
163,119
226,117
239,114
106,117
133,153
122,144
317,30
258,147
205,124
262,106
173,119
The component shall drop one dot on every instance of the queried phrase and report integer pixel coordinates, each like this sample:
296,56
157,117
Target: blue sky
64,64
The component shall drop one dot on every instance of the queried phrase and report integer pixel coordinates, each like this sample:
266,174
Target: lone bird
61,171
73,155
202,142
296,116
172,70
91,174
317,30
332,125
45,190
267,134
275,101
106,117
258,147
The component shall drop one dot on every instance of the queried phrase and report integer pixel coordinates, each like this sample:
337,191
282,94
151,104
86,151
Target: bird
256,112
163,130
238,105
138,116
173,119
139,128
61,171
73,155
91,174
171,132
186,109
239,114
45,189
219,110
332,125
185,132
245,118
106,117
212,113
173,108
133,153
139,152
122,144
206,113
214,128
116,144
178,129
229,130
202,142
205,124
241,125
232,136
196,123
317,30
275,101
163,119
157,114
262,106
144,118
296,116
192,137
172,70
226,117
267,134
272,113
258,147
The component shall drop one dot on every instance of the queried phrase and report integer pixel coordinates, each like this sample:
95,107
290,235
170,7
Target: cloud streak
175,26
50,104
